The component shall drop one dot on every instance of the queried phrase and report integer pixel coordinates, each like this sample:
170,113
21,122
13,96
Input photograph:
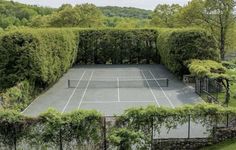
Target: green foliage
1,31
226,145
13,128
214,70
142,120
117,46
229,65
178,45
84,15
79,129
50,129
207,68
214,15
124,138
126,12
164,15
17,14
125,23
17,97
39,56
82,126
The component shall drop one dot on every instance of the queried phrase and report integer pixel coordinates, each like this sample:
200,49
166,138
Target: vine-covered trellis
88,129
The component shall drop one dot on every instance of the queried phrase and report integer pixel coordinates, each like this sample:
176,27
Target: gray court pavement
112,101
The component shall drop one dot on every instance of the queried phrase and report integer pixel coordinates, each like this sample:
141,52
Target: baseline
100,102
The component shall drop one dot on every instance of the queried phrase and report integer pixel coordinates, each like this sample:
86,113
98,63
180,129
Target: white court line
101,102
162,90
85,90
72,94
151,90
118,89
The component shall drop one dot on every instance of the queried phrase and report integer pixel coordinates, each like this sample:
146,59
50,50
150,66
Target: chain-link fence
208,89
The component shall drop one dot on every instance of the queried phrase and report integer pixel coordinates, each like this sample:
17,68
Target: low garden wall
220,135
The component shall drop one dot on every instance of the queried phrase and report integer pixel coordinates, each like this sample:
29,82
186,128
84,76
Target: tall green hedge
40,56
175,46
117,46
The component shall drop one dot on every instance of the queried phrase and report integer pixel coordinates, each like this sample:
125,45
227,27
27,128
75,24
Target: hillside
127,12
17,14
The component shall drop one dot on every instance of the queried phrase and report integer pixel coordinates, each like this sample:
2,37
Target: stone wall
220,134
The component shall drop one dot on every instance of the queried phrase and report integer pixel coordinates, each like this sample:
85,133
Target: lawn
227,145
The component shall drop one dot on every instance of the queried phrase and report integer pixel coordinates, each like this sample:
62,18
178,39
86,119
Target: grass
227,145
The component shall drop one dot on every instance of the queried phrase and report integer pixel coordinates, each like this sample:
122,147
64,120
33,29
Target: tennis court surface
111,89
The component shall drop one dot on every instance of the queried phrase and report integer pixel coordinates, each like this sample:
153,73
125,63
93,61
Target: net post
167,82
68,83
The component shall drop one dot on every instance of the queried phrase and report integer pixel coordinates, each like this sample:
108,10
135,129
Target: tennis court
111,89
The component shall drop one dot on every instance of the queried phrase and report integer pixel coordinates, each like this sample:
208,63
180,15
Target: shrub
178,45
17,97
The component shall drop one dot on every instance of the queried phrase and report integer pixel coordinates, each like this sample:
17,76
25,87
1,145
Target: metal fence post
189,126
104,134
152,128
60,134
227,120
15,140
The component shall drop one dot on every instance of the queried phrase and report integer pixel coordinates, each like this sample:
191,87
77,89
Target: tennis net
118,83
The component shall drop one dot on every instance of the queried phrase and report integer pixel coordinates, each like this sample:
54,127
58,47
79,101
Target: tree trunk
222,44
227,93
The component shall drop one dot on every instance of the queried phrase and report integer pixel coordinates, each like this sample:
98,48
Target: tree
164,15
215,15
1,31
64,6
65,18
85,15
89,15
40,21
213,70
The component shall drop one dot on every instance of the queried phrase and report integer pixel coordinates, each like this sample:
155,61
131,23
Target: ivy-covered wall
88,130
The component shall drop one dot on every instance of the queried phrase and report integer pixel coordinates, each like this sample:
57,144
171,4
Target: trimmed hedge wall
117,46
175,46
31,60
41,56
